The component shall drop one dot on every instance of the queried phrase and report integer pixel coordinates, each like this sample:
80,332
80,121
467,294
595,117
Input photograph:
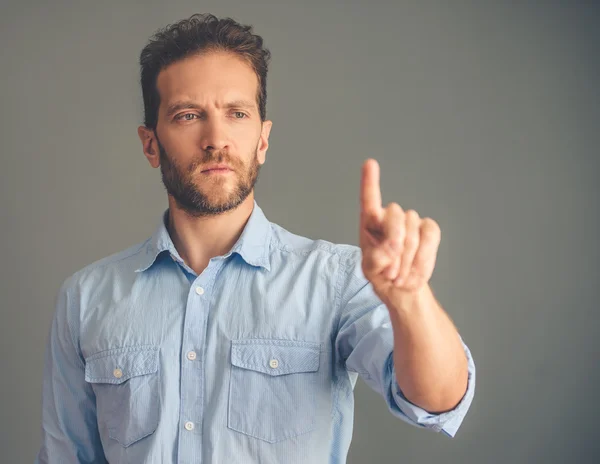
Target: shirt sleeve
365,343
69,427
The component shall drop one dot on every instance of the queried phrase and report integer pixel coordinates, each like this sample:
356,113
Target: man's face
208,116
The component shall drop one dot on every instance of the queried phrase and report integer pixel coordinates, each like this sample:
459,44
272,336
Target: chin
220,201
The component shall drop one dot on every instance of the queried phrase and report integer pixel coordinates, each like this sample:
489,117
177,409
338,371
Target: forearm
431,365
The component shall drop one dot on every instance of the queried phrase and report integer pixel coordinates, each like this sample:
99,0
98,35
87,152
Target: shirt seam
125,349
109,260
329,248
277,342
78,353
135,373
338,293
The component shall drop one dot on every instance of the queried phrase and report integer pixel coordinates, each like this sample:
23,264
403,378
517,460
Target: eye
239,115
184,116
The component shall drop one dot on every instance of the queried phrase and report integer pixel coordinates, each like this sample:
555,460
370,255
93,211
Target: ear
263,142
149,145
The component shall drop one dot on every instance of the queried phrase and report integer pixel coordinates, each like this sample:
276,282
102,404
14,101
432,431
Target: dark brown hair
196,34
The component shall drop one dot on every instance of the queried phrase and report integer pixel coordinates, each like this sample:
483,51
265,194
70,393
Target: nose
214,135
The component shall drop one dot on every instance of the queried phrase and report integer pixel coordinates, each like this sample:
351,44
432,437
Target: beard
213,196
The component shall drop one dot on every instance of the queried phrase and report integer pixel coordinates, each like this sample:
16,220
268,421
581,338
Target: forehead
208,78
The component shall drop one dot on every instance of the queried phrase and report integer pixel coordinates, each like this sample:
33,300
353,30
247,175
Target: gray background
483,116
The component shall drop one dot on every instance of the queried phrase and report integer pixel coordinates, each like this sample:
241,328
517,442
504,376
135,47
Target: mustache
213,158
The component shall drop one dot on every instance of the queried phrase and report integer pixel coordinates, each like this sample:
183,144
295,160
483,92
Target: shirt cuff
447,422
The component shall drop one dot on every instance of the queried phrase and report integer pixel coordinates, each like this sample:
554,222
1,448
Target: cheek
244,139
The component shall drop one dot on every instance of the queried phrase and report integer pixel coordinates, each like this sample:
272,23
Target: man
224,338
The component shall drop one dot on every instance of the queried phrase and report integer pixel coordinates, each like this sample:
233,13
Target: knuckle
412,214
431,229
431,223
394,207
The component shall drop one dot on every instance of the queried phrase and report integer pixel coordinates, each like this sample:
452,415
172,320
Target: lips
217,167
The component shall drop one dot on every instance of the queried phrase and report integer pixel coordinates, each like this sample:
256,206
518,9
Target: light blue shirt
253,360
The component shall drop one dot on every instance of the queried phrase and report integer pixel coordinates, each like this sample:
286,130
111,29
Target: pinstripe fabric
254,360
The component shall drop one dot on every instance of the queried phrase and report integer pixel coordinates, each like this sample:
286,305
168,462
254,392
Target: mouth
217,169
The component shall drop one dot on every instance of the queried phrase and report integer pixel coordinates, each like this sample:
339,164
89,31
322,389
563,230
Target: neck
198,239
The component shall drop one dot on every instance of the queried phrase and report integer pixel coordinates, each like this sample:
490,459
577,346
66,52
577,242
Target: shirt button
118,373
191,355
274,363
189,426
199,290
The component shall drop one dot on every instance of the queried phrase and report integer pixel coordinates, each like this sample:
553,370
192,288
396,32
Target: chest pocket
125,381
272,391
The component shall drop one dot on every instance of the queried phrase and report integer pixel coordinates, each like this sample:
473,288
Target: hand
399,249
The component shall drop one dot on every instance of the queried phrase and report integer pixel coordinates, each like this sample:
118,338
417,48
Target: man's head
204,89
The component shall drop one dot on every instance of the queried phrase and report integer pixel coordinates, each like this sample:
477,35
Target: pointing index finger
370,191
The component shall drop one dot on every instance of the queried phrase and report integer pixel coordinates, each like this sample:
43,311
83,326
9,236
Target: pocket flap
118,365
275,357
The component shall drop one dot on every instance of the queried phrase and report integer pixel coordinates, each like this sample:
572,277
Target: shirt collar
252,245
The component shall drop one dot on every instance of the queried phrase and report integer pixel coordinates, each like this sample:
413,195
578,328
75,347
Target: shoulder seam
99,264
329,248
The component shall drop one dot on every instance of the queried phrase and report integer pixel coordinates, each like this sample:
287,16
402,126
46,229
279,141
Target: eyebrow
189,104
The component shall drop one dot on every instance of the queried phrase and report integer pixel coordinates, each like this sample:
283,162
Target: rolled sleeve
365,343
447,422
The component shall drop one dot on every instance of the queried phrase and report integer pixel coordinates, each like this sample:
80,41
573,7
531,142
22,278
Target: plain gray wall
484,116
